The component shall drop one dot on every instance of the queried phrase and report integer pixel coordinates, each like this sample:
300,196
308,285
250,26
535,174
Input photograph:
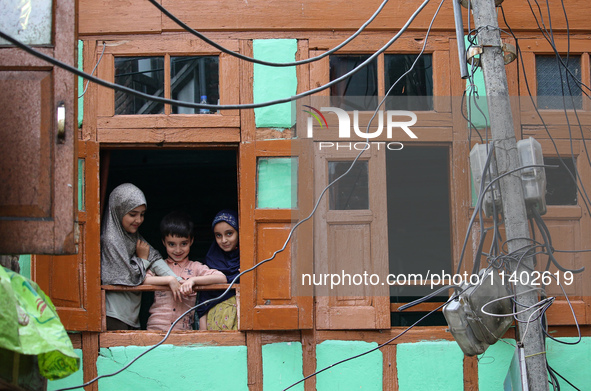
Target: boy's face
226,236
177,248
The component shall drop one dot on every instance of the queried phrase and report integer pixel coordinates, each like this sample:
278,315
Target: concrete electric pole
514,211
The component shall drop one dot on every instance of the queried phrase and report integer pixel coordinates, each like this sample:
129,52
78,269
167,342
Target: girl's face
133,219
225,236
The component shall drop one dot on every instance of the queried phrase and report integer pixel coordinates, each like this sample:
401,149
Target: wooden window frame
554,118
168,127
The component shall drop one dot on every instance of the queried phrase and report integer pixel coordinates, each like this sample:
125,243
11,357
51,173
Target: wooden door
350,241
37,169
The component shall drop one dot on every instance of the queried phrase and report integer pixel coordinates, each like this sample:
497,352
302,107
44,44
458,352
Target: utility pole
514,211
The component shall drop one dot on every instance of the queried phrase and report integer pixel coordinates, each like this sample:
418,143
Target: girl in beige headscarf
125,256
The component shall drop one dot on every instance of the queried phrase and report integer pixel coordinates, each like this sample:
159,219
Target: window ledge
152,288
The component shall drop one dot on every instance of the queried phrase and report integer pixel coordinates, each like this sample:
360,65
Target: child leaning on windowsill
177,235
125,256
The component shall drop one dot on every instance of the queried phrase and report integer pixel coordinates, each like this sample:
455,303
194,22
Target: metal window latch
61,122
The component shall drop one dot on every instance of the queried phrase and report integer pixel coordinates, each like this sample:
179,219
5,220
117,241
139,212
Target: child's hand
142,249
175,288
187,287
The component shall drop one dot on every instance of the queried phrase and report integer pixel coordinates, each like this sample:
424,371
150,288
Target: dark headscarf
119,263
226,262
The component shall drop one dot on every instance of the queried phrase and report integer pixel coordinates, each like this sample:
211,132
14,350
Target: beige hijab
119,263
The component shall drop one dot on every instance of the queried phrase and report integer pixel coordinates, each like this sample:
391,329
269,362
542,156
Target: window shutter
73,281
268,301
351,240
37,170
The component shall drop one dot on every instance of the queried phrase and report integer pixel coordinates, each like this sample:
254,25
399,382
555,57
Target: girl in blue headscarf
223,255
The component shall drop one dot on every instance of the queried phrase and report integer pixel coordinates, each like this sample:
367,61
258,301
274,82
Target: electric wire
93,69
153,98
261,62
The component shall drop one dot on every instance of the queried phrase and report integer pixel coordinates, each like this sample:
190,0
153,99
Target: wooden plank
560,312
409,43
442,82
389,371
149,121
90,58
247,123
90,353
278,336
470,373
179,338
247,197
174,45
101,17
309,358
152,288
255,360
229,84
307,14
168,135
416,334
106,96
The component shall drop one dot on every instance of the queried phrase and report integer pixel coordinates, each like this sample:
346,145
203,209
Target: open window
200,182
419,229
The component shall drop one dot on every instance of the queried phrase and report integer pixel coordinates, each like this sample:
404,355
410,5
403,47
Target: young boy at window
177,235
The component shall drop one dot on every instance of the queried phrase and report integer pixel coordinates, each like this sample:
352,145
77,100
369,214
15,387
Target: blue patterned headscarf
227,215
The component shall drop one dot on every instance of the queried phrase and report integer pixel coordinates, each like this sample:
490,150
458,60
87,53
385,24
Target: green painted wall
428,366
275,187
493,366
477,110
24,262
363,373
282,366
168,367
571,361
75,379
274,82
81,83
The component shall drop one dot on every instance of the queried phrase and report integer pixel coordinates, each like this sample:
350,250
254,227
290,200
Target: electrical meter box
472,328
478,156
533,179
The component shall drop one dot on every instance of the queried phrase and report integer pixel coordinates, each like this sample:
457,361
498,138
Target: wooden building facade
217,159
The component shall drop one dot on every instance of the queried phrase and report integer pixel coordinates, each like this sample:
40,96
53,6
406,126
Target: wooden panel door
37,169
351,241
73,281
269,298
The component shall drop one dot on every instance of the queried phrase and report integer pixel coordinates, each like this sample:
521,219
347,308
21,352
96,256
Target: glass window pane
552,80
415,90
363,83
30,22
560,187
144,74
194,79
277,185
352,191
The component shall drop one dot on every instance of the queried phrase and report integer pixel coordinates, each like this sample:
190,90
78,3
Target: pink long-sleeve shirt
165,309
